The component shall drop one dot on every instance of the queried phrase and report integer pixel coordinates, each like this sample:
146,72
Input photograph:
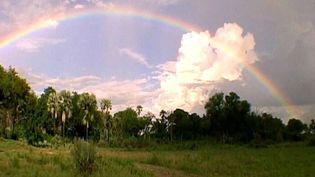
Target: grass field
213,160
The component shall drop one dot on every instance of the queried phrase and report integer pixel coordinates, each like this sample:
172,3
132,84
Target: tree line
69,115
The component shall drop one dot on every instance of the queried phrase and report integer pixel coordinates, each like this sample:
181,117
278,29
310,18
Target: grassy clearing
18,159
240,161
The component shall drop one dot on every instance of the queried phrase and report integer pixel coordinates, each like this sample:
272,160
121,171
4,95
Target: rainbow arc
127,11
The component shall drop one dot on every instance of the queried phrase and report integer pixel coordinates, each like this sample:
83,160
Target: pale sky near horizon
134,60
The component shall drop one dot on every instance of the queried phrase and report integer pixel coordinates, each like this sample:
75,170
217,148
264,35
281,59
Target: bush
84,157
33,138
9,134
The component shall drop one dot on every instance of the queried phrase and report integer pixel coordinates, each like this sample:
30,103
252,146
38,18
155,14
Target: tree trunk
63,129
87,130
108,135
171,133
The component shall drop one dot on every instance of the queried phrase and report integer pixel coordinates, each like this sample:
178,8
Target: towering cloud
203,61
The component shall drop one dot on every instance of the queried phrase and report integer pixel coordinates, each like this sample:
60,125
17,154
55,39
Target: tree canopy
227,118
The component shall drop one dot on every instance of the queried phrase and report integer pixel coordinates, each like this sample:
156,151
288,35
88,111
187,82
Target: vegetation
84,157
228,119
206,159
195,144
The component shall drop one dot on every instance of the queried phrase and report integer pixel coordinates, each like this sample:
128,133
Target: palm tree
139,109
65,103
163,114
87,102
106,105
53,105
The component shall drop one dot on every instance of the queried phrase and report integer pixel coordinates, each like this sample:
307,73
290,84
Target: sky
167,54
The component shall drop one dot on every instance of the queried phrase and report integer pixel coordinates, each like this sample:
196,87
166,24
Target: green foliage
312,126
229,117
294,129
183,126
84,157
33,138
127,123
71,115
268,128
88,104
106,105
15,96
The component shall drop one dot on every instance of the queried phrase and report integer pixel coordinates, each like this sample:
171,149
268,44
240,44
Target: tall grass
84,157
213,160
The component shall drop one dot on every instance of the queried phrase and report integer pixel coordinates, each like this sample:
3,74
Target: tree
195,125
267,127
294,129
128,123
215,113
163,114
14,95
43,113
75,126
229,117
179,124
88,104
148,129
106,106
65,104
170,125
312,126
159,126
53,107
139,109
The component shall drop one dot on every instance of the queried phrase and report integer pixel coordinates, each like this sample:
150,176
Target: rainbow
115,10
127,11
275,91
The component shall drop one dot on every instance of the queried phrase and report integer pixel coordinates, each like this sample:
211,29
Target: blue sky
133,60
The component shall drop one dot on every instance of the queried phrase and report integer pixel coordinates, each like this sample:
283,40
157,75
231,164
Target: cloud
203,61
51,23
163,2
40,81
123,93
101,4
19,14
79,6
33,44
281,111
137,57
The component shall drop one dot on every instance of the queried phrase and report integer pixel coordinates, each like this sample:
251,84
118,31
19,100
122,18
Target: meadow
183,160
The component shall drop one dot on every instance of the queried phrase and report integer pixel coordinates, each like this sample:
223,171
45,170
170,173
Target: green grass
242,161
213,160
18,159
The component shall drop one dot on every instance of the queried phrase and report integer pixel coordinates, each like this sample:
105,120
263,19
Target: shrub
34,138
84,157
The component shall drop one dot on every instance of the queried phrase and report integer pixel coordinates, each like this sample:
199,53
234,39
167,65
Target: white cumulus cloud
204,60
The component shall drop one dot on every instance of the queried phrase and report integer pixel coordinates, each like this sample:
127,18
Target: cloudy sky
133,59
